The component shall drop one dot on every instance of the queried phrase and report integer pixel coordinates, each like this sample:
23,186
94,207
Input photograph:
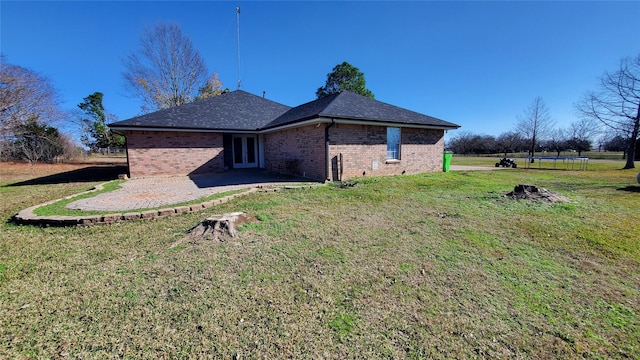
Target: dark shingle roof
240,110
352,106
236,110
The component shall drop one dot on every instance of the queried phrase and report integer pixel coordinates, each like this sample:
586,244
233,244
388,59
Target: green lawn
429,266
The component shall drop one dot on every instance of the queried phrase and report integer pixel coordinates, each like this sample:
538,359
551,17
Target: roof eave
178,129
338,120
298,123
391,123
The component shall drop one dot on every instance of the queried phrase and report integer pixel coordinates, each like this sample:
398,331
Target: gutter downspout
326,149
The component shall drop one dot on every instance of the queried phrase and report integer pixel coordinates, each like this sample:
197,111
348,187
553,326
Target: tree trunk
631,151
533,146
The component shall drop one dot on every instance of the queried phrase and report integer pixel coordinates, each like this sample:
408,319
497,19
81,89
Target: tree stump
534,193
215,228
212,227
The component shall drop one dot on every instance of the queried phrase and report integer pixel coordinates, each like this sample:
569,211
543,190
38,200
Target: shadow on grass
88,174
631,188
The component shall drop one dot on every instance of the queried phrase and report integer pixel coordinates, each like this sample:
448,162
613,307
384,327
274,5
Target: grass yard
428,266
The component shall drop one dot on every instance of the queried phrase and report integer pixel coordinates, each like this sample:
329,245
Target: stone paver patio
154,192
161,193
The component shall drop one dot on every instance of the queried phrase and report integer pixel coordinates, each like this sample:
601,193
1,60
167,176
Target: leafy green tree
344,77
97,134
92,106
37,141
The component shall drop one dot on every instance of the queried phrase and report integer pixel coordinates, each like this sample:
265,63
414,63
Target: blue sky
478,64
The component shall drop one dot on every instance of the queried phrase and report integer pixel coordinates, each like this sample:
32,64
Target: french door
245,151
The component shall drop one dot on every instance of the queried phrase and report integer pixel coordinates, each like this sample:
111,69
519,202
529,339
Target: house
333,138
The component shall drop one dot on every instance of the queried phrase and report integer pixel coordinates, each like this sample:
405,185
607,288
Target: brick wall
296,151
153,153
362,146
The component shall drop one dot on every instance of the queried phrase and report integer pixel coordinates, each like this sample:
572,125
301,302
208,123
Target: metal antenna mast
238,29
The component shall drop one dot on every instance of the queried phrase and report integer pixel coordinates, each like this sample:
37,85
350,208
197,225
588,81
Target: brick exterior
153,153
300,151
360,146
297,151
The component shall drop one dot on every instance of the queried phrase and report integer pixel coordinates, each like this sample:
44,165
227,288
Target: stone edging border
27,217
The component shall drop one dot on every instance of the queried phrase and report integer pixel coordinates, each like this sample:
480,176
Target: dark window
251,149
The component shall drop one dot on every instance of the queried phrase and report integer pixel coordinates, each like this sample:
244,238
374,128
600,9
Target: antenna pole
238,30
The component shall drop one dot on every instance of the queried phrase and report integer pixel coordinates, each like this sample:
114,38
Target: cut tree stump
534,193
215,228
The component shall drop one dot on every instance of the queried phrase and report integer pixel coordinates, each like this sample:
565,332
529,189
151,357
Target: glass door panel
245,151
251,150
237,151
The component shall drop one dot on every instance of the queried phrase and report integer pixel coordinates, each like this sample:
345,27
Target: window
393,143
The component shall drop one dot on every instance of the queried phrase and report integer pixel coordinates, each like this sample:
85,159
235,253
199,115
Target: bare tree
509,142
557,140
617,103
24,95
166,71
581,134
462,143
535,123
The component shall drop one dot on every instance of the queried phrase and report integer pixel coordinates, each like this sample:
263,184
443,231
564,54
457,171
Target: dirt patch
534,193
45,174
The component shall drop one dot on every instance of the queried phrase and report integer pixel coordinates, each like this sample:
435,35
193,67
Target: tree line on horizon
511,142
166,71
612,112
535,131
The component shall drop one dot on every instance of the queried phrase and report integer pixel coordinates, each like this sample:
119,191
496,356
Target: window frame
394,145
